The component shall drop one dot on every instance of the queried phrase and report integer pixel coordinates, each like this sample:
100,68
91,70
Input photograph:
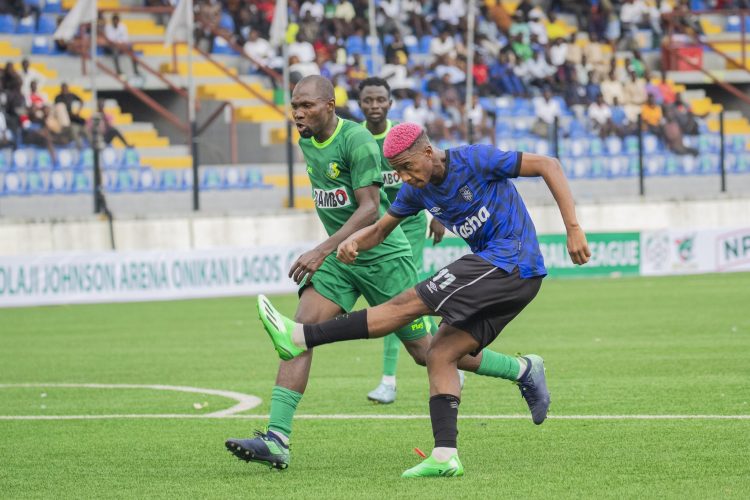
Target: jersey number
444,275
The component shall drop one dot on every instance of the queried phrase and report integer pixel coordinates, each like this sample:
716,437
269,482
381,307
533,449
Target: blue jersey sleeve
495,164
406,203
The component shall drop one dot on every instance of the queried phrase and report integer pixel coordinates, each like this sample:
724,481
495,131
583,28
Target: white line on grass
244,401
374,417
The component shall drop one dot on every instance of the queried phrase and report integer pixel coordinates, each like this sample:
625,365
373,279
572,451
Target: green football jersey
347,161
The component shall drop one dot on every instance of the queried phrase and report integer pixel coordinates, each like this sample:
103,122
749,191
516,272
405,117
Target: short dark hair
374,81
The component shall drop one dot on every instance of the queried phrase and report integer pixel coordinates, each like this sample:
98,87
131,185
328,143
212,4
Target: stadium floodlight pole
470,21
191,106
374,42
287,115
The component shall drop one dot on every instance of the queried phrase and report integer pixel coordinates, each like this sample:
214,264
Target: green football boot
432,468
279,328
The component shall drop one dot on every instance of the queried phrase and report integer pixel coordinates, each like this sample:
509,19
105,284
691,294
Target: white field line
372,417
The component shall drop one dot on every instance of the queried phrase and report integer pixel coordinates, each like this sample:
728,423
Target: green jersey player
375,103
343,163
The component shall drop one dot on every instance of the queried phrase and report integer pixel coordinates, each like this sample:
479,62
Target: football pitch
650,383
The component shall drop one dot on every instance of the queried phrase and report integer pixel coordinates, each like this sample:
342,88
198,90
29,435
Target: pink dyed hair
400,138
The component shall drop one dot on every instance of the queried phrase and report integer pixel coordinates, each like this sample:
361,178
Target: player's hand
347,251
578,247
306,265
437,231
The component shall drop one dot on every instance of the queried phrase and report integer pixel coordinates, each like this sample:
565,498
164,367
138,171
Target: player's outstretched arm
366,238
551,171
368,202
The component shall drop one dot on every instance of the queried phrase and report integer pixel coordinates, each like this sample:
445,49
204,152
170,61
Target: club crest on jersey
466,193
332,198
333,170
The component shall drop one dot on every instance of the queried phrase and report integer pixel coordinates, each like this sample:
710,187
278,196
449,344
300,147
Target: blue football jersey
478,202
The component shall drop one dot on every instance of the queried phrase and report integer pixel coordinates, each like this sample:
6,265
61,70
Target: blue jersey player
468,190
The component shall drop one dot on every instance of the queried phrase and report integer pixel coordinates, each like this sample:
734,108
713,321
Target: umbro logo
436,210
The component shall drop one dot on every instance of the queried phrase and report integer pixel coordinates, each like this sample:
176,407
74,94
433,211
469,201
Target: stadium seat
81,182
108,158
617,166
53,7
234,178
42,160
651,144
371,42
47,24
631,145
411,43
7,23
596,146
525,145
169,181
130,158
579,147
542,147
40,45
213,178
734,24
36,182
66,158
697,5
742,164
736,143
255,179
672,165
12,184
25,26
355,45
581,168
598,167
58,182
614,145
653,165
424,44
147,180
125,181
86,159
689,164
23,158
577,129
708,164
6,162
186,178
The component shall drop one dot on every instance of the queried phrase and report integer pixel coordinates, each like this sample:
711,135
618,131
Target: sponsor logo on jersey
333,170
391,178
472,223
432,286
332,198
309,170
466,193
436,210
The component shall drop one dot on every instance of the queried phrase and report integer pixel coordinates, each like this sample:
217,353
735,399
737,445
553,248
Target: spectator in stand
481,76
343,17
481,122
633,15
106,129
418,111
665,89
7,139
636,64
597,22
600,118
524,8
634,96
537,27
540,72
299,70
243,26
520,27
593,88
443,45
259,50
652,118
685,117
302,49
73,105
575,95
315,9
15,105
611,88
521,50
555,27
503,80
597,57
448,16
547,110
398,78
623,125
29,74
673,135
36,101
118,41
412,12
309,27
397,50
207,20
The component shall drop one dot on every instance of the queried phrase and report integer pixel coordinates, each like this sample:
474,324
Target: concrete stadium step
200,68
7,49
136,127
158,50
167,151
101,4
233,91
263,113
167,162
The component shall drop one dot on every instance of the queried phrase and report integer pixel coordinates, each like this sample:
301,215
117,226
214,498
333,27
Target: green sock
495,364
391,347
283,405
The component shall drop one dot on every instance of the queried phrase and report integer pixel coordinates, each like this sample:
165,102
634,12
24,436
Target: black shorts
475,296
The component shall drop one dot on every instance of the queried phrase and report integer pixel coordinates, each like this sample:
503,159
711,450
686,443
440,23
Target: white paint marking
244,401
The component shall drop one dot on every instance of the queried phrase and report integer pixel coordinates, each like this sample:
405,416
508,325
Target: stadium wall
19,238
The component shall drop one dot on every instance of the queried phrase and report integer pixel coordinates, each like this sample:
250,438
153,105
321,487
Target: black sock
444,416
350,326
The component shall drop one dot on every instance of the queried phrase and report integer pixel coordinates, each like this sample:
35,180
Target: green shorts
343,284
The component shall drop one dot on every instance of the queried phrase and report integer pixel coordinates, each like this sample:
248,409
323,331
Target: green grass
634,346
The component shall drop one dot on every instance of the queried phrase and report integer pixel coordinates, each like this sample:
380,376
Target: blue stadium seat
672,165
36,182
502,129
23,158
40,45
12,184
67,158
631,145
579,147
371,42
255,179
387,39
524,144
653,165
42,160
6,162
108,158
599,167
734,24
581,168
235,178
542,147
81,182
86,159
213,178
186,178
708,164
226,22
169,181
53,7
614,145
577,129
25,26
47,24
596,146
411,43
617,166
130,158
742,164
697,5
736,143
689,164
651,144
59,182
7,23
147,180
